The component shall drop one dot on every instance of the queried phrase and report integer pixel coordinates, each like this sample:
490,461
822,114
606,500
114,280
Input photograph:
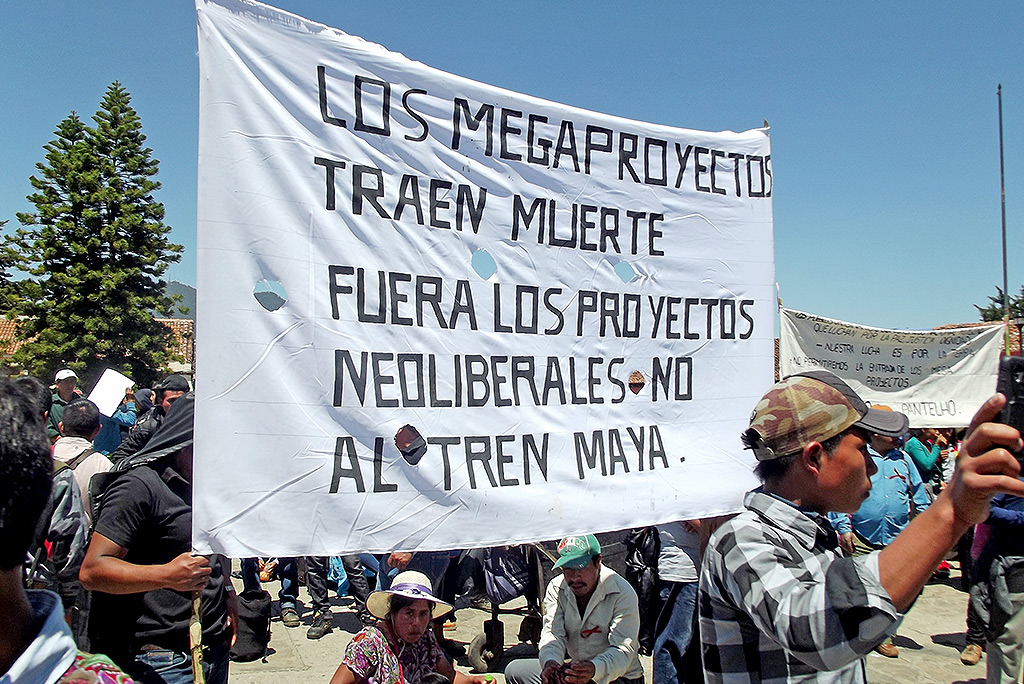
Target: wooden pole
195,638
1002,193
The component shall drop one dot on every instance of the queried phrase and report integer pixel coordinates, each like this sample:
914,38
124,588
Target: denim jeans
527,671
431,563
288,570
173,667
251,574
675,630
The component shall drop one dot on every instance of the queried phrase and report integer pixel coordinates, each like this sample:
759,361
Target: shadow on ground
956,640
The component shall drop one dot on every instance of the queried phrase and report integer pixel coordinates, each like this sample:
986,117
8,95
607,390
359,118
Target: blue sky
884,120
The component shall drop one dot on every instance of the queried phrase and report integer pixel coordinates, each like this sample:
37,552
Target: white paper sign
939,378
572,311
109,391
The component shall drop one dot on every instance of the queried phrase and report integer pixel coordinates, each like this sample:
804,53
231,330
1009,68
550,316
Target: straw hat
411,584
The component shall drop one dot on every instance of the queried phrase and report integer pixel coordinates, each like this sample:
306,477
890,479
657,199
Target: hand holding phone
1011,385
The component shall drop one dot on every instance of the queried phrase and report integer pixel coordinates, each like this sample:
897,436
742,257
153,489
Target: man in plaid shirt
778,601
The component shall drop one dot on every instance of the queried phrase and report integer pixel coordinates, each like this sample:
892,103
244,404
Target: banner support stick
1002,193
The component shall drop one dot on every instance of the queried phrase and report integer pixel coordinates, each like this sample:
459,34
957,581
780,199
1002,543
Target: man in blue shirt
897,494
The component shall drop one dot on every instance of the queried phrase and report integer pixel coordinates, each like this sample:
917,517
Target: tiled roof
182,344
1012,343
8,336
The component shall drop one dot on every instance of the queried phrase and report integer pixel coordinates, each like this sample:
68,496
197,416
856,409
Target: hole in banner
410,444
270,294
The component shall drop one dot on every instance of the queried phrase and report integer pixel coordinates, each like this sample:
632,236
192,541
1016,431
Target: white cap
65,374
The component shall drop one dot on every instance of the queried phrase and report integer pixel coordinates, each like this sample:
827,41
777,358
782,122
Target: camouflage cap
812,407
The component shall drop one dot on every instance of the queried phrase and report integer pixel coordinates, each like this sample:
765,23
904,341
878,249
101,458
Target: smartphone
1011,384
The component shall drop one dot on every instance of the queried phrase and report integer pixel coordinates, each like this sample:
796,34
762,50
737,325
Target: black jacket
144,429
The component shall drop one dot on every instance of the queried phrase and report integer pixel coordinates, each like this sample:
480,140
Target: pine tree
95,250
8,259
994,310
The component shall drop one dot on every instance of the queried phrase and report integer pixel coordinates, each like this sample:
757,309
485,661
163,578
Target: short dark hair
80,418
26,472
398,602
775,468
434,678
36,391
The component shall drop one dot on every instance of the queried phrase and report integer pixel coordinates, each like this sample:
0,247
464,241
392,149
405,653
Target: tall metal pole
1002,191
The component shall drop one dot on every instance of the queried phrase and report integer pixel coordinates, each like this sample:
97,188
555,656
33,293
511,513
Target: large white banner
939,378
437,314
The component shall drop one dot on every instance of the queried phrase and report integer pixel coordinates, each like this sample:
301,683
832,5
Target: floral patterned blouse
371,658
93,669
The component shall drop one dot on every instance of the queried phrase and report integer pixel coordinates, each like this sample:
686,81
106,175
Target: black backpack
253,626
643,545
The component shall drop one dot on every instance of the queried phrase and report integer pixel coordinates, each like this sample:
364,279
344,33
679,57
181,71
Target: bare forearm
909,561
113,575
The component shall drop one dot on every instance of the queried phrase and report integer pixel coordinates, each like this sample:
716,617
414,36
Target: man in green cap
591,617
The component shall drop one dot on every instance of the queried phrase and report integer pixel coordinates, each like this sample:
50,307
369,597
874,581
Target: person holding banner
141,570
778,600
401,647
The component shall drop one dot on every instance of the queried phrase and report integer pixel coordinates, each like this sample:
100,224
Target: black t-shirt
148,511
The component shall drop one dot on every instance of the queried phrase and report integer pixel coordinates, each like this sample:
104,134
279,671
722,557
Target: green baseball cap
577,552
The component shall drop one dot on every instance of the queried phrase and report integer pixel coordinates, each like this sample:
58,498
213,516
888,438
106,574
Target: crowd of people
855,514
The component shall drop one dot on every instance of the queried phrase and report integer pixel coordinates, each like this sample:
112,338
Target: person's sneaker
290,617
322,624
943,570
887,649
971,654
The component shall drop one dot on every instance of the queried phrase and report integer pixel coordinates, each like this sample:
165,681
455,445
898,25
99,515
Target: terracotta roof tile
8,336
182,344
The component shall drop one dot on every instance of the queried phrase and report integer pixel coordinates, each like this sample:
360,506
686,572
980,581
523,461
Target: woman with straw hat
400,648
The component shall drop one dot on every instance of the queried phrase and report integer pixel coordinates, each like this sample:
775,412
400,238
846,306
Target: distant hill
188,299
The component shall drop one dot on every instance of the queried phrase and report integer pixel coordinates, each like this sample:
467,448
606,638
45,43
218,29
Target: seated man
592,617
778,601
36,644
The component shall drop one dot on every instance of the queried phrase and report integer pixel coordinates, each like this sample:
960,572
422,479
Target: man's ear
95,432
811,455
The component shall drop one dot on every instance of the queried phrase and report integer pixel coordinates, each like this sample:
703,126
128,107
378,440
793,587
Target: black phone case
1011,384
